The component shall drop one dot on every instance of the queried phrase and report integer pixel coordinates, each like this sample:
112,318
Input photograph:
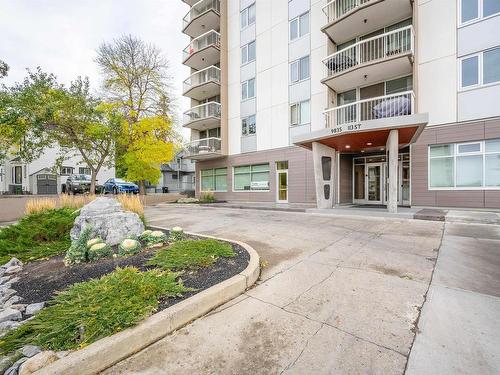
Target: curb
110,350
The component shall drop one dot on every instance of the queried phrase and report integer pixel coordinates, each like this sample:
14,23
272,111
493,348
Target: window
299,26
251,177
490,7
299,69
471,10
66,171
248,16
465,165
300,113
248,89
17,175
470,71
491,65
214,179
248,126
84,170
209,133
480,69
248,53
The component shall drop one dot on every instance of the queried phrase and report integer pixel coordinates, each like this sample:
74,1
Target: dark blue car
117,186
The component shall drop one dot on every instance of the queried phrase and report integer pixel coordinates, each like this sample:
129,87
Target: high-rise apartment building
388,102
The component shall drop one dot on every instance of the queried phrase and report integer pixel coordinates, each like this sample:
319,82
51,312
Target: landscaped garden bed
69,294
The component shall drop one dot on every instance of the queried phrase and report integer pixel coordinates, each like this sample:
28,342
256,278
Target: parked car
117,185
78,184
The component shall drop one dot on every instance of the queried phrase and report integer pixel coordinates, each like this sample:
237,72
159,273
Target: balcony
382,107
350,18
203,84
203,117
371,60
203,51
190,2
203,16
204,149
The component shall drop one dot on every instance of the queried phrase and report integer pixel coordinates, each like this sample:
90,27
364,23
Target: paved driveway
337,295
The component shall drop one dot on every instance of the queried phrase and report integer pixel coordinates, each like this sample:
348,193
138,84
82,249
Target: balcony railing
199,8
210,74
394,105
211,37
384,46
205,146
203,111
338,8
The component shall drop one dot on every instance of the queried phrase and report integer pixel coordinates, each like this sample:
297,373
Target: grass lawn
191,254
38,235
94,309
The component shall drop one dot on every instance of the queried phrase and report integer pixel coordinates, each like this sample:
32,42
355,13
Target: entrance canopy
366,136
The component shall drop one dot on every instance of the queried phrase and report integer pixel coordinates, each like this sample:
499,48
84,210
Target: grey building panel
298,130
247,71
299,48
479,103
299,92
298,7
249,143
479,36
248,107
247,35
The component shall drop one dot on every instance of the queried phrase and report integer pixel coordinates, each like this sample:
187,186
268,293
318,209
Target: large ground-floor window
465,165
251,177
214,179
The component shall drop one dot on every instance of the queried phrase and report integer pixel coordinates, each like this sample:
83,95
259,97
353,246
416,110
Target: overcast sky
61,36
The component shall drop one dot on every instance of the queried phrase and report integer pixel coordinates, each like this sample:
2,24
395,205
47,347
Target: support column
392,164
324,159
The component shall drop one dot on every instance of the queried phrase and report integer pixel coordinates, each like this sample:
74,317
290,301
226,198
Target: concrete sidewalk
458,331
337,295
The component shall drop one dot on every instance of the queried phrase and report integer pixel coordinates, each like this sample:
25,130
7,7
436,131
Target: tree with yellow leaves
147,145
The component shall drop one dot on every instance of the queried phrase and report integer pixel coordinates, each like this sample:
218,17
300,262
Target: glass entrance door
374,183
282,186
404,183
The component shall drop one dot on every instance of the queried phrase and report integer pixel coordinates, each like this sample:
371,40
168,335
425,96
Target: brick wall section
421,196
300,175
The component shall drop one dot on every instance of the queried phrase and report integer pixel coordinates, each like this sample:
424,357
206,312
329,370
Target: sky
61,36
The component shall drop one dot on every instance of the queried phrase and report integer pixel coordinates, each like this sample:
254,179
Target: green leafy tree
24,116
82,124
4,69
39,112
136,78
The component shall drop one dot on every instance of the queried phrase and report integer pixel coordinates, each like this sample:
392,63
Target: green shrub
129,247
191,254
99,251
89,311
207,197
77,253
176,234
39,235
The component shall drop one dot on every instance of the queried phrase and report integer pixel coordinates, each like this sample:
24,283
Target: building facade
384,102
41,176
178,176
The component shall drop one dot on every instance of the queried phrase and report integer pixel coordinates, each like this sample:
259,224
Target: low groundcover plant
190,254
91,310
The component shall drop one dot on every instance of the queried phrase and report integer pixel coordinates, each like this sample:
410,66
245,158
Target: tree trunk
93,179
142,187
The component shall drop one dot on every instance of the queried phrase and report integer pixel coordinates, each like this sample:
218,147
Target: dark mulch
41,280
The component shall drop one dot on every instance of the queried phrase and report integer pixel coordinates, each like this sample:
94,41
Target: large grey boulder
108,220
